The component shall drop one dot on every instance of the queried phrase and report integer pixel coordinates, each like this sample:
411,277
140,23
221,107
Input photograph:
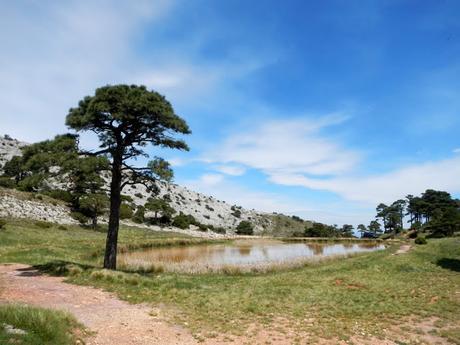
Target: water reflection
248,252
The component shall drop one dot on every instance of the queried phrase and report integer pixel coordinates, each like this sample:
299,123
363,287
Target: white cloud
288,146
456,150
232,170
55,53
414,179
211,179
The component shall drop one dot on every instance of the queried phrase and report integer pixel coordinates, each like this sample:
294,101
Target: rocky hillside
206,209
9,147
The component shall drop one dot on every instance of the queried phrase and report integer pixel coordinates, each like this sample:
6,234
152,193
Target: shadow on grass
450,264
61,267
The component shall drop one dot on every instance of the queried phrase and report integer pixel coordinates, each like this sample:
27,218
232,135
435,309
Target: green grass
336,298
41,326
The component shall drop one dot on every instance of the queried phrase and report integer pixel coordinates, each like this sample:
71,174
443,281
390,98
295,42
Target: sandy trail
113,320
403,249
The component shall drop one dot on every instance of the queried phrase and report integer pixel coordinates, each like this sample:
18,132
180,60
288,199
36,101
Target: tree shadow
60,267
450,264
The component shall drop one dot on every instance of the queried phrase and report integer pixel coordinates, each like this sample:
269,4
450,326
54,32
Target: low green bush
245,228
80,217
219,230
7,182
203,227
125,211
43,225
420,240
2,223
413,234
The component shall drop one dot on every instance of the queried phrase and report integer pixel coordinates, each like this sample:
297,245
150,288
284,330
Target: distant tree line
435,212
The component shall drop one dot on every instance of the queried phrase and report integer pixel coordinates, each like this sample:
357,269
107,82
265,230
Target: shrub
7,182
126,198
60,194
43,224
125,211
2,223
80,217
202,227
413,234
237,214
219,230
181,222
139,215
139,195
420,240
245,228
62,227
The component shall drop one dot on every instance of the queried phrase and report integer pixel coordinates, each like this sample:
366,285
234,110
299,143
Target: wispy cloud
54,53
387,187
288,146
232,170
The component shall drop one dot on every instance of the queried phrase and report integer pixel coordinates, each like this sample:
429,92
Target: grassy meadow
365,294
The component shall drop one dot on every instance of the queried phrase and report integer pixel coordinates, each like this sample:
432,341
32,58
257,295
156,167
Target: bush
181,221
43,225
7,182
60,194
237,214
420,240
202,227
125,211
80,217
244,228
413,234
139,215
219,230
2,223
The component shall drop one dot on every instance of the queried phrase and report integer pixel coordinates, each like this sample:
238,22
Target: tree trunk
95,222
110,259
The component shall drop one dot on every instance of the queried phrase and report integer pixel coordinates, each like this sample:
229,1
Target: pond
241,253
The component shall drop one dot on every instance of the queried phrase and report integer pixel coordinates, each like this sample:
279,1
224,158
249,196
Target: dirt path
115,321
403,249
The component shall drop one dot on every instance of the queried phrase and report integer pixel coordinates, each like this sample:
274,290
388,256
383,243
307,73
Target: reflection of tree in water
367,245
348,245
316,248
244,250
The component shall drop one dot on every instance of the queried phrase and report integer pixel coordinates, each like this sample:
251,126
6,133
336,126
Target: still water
247,252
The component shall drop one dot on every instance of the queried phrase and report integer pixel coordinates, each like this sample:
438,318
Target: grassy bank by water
363,295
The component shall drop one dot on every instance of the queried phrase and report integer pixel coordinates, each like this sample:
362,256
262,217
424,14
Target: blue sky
320,109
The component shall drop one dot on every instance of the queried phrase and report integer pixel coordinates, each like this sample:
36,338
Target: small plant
2,223
125,211
139,215
202,227
420,240
139,195
236,213
62,227
7,182
245,228
80,217
209,208
43,225
219,230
